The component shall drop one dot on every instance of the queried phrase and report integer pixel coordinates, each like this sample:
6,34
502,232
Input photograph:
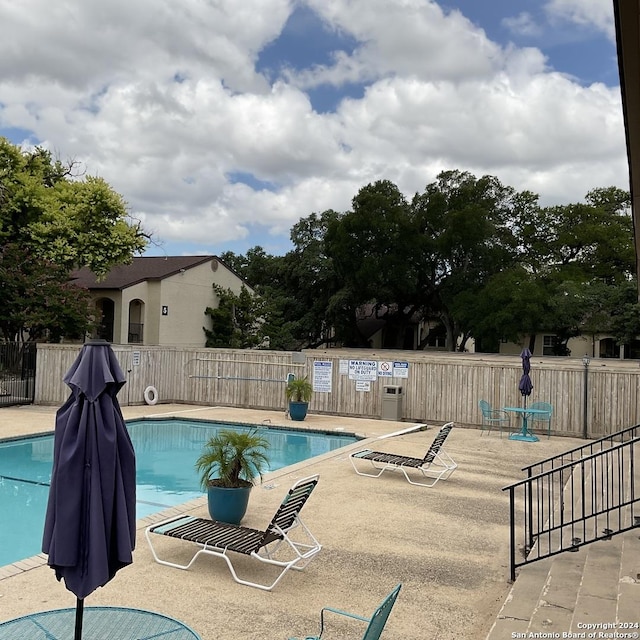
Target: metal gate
17,373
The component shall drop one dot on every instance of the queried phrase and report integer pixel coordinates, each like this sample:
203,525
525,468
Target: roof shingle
141,269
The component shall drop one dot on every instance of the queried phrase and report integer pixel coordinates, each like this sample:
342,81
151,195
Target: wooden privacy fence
435,387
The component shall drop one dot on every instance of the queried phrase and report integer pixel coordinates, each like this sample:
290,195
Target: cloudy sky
223,122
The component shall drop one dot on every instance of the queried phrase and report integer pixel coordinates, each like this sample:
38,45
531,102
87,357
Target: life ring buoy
151,395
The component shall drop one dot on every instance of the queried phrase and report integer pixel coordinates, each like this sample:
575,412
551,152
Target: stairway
597,584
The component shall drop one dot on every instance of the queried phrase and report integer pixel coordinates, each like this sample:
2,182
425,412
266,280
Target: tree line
469,256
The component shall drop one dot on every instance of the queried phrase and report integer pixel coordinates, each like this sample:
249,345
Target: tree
511,304
72,222
266,275
579,253
464,226
309,281
486,261
52,215
236,321
39,301
372,249
295,289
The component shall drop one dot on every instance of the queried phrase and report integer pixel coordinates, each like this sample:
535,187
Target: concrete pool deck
448,545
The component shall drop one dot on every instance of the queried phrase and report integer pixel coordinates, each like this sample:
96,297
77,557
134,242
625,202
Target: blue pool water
166,451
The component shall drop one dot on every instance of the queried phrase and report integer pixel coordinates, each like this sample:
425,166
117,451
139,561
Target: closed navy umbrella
525,386
89,531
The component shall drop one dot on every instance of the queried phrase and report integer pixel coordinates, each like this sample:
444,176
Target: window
549,345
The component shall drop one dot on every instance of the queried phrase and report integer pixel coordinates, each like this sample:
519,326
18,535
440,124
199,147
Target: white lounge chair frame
436,465
218,538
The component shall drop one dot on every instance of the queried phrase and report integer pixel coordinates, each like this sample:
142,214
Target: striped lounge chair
436,465
274,546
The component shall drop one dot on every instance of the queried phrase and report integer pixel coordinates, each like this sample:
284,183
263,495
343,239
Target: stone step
556,605
598,583
629,586
597,598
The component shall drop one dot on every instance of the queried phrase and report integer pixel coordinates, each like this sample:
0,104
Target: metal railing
576,498
17,373
136,333
578,453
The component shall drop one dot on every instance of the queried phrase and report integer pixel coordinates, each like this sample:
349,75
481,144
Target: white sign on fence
322,374
400,369
363,370
385,369
363,385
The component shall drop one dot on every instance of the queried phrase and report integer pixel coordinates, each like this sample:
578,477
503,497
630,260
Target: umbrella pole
79,613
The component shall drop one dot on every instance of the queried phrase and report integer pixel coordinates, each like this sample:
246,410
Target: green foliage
39,300
84,224
472,254
295,289
299,390
233,458
368,247
236,322
60,222
69,221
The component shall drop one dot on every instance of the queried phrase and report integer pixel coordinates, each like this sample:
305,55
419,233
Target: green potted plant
298,393
228,465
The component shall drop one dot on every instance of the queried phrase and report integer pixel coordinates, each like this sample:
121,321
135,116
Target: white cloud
164,101
414,38
523,24
597,14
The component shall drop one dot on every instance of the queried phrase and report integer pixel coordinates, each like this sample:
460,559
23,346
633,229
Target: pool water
166,451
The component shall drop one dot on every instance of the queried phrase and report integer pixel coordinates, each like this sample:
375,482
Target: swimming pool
166,450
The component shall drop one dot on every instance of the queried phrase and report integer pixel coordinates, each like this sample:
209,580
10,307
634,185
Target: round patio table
99,623
525,412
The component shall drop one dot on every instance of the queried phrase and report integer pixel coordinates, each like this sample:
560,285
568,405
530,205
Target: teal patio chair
375,624
542,417
493,417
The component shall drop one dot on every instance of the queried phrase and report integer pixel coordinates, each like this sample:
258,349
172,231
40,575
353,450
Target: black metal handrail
17,373
136,333
584,500
578,452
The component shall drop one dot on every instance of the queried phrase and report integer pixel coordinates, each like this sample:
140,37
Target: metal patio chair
375,623
542,417
493,417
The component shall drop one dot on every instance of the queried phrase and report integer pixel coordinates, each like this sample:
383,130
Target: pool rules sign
322,375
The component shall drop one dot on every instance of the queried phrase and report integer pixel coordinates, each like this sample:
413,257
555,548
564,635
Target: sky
223,123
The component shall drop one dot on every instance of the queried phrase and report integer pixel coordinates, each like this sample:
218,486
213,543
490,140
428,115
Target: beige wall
186,296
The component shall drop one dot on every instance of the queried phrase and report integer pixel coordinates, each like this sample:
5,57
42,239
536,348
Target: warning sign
363,370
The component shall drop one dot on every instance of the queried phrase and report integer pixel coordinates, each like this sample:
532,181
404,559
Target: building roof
140,270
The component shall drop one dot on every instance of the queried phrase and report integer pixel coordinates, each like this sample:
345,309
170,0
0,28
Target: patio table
524,433
99,623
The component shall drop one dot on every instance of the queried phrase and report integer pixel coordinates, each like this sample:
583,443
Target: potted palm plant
229,464
298,392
